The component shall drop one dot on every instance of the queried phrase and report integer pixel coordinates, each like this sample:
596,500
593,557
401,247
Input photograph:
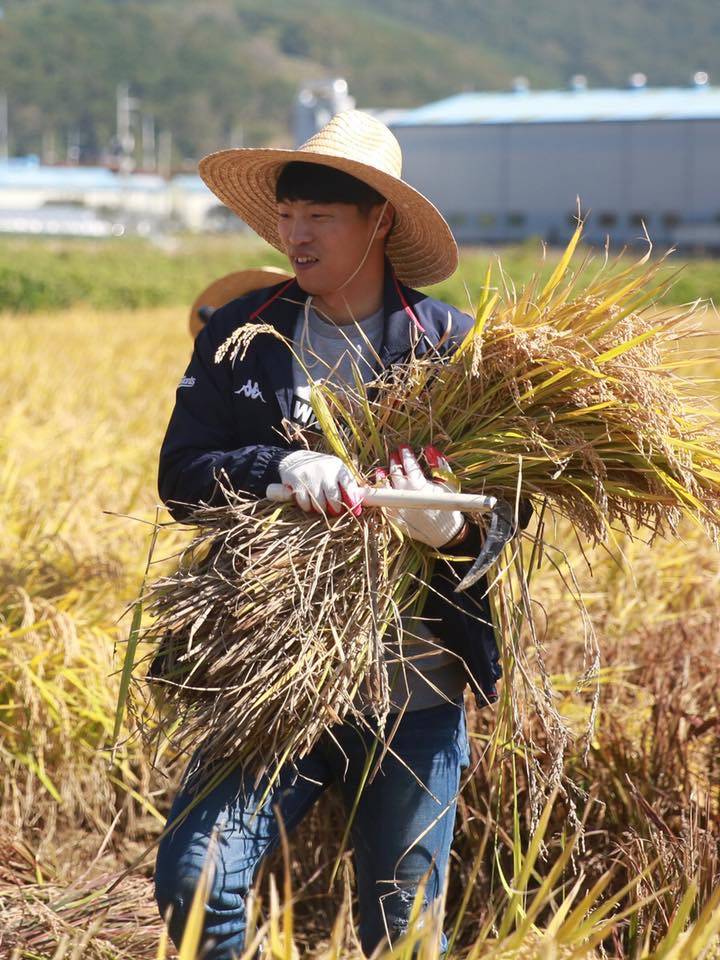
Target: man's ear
387,218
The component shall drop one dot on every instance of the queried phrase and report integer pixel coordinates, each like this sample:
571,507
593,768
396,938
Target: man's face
326,242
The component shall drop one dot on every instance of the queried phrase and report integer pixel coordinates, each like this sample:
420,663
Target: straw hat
231,286
420,247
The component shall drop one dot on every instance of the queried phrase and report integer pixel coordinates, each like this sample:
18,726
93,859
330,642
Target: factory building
505,166
95,201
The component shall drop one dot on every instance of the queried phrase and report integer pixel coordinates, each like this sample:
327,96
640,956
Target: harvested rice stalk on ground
564,393
47,920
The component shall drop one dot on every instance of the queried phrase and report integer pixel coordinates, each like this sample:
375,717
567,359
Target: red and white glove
320,482
436,528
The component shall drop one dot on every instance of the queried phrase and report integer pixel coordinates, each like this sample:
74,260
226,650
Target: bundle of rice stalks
274,620
573,394
568,393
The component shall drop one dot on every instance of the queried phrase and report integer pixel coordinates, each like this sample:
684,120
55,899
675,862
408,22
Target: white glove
320,482
436,528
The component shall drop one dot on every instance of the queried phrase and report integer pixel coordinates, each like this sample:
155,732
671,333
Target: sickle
501,530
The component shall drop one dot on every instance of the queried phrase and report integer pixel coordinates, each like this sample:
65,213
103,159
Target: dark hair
317,183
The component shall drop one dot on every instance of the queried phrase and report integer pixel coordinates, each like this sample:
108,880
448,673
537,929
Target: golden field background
87,396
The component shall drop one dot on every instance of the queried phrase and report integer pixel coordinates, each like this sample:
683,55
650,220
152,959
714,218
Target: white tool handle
414,499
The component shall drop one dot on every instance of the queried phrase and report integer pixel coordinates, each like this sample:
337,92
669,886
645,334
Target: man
358,238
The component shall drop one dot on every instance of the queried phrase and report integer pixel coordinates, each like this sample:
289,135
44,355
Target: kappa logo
187,382
252,391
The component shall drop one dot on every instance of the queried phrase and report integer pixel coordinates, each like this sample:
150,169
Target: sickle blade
500,532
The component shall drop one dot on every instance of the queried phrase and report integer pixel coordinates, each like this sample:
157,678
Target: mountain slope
606,40
211,70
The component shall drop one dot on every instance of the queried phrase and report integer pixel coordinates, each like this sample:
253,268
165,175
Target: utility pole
72,154
4,129
165,154
149,159
49,148
125,104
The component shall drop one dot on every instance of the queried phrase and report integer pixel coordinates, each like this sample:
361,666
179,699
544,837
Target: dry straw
570,392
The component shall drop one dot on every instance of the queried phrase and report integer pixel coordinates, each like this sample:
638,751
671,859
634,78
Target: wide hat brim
232,286
420,247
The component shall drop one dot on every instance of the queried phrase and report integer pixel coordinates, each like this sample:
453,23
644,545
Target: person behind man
359,239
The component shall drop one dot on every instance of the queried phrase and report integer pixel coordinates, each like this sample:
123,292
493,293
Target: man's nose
300,231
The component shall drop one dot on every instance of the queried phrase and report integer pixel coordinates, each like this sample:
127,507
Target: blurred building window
486,219
638,219
457,219
516,219
671,219
607,219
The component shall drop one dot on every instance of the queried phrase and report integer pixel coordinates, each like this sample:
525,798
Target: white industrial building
505,166
95,201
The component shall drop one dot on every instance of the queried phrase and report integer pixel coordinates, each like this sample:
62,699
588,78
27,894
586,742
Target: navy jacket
228,417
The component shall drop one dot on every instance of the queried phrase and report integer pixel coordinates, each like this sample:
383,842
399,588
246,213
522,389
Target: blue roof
21,173
35,175
568,106
190,182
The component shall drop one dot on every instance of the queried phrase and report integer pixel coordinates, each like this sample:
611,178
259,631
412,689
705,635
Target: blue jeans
400,832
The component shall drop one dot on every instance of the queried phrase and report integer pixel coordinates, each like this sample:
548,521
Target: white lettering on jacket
252,391
302,412
187,382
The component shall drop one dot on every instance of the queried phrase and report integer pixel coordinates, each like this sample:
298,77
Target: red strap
277,293
406,306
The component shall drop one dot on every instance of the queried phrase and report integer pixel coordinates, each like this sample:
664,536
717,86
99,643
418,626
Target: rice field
88,391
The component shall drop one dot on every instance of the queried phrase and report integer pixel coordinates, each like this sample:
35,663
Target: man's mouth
304,261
